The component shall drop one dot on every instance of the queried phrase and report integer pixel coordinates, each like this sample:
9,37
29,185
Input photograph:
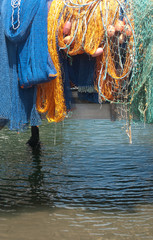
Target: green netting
142,83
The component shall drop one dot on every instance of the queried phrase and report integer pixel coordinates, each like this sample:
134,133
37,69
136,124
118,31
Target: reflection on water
85,182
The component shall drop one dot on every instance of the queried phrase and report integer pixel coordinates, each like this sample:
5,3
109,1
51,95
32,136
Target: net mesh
118,33
141,93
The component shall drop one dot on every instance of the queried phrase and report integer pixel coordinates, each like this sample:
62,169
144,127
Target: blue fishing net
24,61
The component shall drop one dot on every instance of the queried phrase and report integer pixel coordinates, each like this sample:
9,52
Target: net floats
128,30
67,28
119,26
98,52
110,30
67,40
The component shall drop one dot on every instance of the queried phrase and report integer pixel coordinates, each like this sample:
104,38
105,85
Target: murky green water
86,182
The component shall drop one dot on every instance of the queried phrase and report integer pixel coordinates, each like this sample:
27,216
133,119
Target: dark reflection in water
88,164
36,177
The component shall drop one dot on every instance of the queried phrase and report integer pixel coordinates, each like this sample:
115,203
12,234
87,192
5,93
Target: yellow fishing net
50,96
118,34
103,29
99,29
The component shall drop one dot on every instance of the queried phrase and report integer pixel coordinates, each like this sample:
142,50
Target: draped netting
50,96
141,92
21,56
105,30
118,34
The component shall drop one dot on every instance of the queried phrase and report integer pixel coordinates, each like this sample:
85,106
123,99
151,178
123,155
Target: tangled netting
118,33
102,29
141,88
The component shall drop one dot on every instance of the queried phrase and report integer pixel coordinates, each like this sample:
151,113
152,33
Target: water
86,182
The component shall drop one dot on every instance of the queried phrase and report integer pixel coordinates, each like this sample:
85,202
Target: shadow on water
36,177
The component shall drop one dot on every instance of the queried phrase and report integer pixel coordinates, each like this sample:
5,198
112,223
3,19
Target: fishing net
118,34
113,36
50,97
141,89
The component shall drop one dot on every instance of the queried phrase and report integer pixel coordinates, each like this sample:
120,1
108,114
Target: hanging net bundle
50,96
141,88
118,33
104,30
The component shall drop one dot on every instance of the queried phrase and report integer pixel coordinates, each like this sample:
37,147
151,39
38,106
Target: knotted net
118,33
141,89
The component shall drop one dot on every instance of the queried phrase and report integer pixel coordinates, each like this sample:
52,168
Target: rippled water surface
85,182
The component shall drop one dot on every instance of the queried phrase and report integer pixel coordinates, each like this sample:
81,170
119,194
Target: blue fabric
66,81
81,69
17,105
81,72
31,40
5,91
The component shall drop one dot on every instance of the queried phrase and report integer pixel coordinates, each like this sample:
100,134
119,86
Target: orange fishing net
50,96
92,27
